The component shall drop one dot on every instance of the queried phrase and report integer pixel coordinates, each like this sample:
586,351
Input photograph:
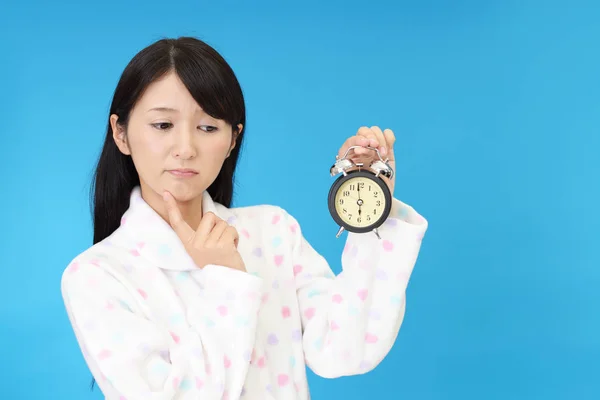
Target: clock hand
359,202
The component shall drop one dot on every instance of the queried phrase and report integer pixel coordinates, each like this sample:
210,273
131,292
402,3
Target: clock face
360,201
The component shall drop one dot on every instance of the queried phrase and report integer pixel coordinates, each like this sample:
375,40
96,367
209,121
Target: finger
230,236
181,228
370,136
205,226
344,147
215,234
362,138
383,145
390,138
352,141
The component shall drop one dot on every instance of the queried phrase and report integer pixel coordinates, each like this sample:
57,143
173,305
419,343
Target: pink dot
297,269
264,298
222,310
370,338
285,312
275,219
134,253
309,313
252,295
227,362
142,293
199,383
175,383
283,379
175,337
337,298
362,294
104,354
278,260
387,245
261,362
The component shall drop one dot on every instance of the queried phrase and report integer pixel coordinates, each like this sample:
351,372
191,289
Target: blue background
495,106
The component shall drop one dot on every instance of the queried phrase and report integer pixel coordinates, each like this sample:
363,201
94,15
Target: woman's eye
208,128
163,126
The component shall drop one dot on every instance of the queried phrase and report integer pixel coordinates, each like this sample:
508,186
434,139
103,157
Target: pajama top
152,325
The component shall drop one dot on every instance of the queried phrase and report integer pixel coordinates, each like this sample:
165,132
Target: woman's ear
235,133
119,135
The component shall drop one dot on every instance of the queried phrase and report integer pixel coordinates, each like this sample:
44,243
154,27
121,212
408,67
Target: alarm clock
359,199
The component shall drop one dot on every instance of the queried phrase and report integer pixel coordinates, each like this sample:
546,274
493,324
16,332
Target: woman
182,296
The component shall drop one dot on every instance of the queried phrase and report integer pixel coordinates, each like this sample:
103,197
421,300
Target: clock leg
377,233
340,232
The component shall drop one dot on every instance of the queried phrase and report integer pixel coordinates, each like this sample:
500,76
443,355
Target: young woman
182,296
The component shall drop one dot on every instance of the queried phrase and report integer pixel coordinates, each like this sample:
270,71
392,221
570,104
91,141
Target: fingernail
383,151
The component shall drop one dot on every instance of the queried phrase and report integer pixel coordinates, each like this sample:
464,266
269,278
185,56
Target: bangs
211,82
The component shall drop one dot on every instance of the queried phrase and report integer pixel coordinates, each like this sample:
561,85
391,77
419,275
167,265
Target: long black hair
211,82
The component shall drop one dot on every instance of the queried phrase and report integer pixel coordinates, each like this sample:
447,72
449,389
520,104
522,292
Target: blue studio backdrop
496,111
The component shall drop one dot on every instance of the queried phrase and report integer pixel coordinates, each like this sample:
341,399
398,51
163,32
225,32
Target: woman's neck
191,210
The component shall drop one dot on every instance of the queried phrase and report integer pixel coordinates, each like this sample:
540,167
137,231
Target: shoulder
263,216
95,270
265,223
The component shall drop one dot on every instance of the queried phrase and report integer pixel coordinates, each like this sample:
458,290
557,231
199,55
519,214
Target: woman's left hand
372,137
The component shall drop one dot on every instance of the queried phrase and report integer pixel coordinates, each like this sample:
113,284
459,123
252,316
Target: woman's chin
183,193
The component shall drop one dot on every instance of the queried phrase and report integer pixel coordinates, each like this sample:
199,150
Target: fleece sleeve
134,357
350,321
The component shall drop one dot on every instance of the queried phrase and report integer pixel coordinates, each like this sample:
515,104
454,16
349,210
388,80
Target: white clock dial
360,202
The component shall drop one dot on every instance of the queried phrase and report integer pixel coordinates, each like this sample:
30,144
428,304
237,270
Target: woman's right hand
214,242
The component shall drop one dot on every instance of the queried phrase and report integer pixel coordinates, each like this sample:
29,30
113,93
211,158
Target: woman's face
174,144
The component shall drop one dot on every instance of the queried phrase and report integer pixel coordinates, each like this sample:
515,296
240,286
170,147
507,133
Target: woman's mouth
183,172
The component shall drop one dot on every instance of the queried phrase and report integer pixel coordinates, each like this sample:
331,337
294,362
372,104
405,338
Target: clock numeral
344,211
368,217
369,188
361,185
352,187
375,194
346,193
378,203
349,216
358,220
374,211
341,201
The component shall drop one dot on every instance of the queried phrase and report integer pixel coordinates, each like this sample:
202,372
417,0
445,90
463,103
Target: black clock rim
354,174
